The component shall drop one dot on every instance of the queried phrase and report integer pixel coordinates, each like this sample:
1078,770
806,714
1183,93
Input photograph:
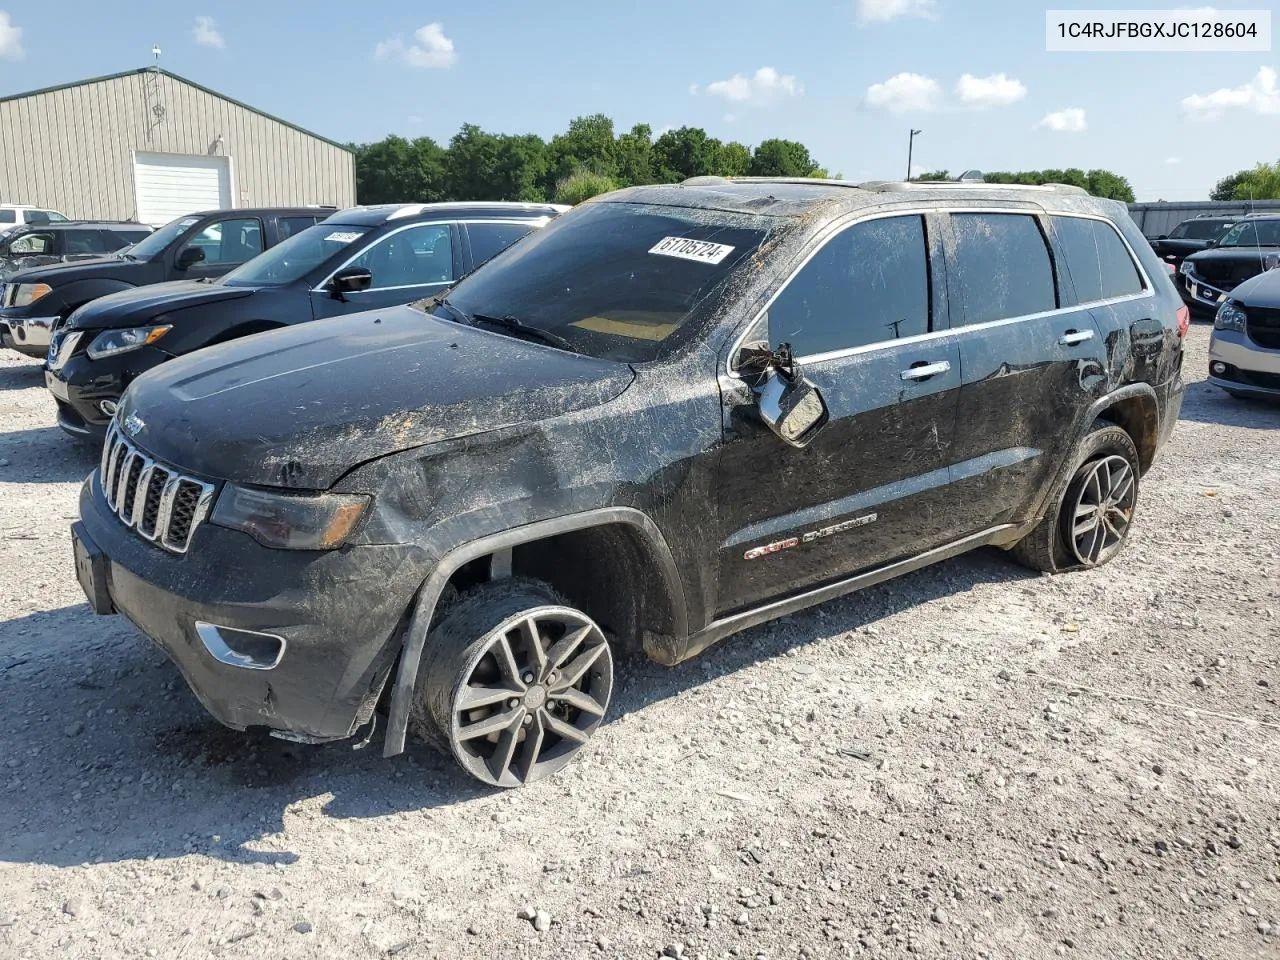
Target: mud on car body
676,412
356,259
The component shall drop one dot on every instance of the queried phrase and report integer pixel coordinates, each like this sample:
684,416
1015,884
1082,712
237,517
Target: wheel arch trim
428,594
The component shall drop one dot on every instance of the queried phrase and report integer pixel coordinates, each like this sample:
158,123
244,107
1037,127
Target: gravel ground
971,761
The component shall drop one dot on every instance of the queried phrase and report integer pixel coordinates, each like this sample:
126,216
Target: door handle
1072,337
927,370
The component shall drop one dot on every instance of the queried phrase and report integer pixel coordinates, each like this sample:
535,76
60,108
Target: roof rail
899,186
708,181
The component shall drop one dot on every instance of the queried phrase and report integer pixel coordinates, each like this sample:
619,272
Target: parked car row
669,414
13,215
1214,255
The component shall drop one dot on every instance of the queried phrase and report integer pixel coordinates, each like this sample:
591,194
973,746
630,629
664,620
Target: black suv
676,412
200,246
357,259
62,241
1190,236
1244,251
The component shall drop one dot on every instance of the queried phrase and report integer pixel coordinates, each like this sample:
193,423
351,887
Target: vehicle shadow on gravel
22,376
1205,403
108,756
45,455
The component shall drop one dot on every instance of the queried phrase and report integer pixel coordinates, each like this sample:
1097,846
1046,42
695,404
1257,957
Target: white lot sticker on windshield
188,222
343,237
702,251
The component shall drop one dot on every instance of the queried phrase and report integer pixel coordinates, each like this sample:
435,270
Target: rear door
1033,361
407,263
866,316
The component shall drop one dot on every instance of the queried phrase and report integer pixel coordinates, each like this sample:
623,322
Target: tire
513,682
1051,546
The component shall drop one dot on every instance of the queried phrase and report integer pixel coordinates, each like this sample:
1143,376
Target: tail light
1184,320
1173,271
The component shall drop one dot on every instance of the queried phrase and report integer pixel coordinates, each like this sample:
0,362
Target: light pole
911,142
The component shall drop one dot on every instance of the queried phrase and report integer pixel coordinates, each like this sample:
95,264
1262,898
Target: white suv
16,214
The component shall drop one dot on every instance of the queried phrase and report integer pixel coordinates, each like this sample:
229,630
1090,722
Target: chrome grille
160,504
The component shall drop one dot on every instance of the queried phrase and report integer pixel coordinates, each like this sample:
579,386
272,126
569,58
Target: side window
122,238
49,216
32,243
1097,258
1001,267
8,216
490,239
868,284
415,256
291,225
228,241
81,242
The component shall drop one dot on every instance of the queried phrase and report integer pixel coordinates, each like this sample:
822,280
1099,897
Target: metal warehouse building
148,145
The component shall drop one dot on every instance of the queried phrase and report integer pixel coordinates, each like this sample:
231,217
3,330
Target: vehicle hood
301,406
1260,291
130,308
1230,254
56,274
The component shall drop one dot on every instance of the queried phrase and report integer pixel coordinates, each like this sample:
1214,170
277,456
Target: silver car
1244,353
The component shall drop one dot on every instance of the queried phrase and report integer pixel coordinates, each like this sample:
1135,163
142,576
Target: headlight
1187,268
110,342
26,294
290,521
1230,317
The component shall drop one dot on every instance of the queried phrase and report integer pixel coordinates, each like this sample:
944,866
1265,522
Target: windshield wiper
517,326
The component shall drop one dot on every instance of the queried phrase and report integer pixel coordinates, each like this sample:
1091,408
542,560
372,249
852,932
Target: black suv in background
357,259
1244,251
674,413
1190,236
62,241
199,246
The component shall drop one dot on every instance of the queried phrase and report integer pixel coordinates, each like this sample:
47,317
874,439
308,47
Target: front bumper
81,384
1202,297
32,335
1248,368
337,613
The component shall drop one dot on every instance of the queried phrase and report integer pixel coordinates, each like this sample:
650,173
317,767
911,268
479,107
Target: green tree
583,184
781,158
933,176
520,168
473,164
634,153
735,160
1225,189
396,170
684,153
1104,183
1261,183
588,144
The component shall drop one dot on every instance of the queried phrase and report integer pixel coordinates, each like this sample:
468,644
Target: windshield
1199,229
612,280
1253,233
156,242
294,258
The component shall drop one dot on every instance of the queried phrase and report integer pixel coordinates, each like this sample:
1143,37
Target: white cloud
1173,161
762,88
430,49
905,92
996,90
730,118
1260,95
10,39
1070,120
206,33
694,89
882,11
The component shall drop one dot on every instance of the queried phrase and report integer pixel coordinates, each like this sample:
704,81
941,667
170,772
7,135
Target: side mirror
350,280
1210,243
1163,236
189,257
791,407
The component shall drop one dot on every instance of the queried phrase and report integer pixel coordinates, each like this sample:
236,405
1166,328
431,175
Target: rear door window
490,239
291,225
86,242
868,284
1001,267
1098,260
8,216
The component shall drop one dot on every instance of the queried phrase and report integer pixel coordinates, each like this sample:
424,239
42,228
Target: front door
866,315
226,243
407,264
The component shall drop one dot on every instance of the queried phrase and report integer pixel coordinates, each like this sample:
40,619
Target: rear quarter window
1100,264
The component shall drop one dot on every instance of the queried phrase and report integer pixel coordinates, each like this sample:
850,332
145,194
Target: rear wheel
1090,522
514,682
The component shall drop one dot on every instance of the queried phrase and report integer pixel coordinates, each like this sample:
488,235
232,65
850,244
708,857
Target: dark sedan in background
1249,248
357,259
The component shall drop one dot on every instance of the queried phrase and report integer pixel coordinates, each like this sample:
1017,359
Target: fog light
241,648
1218,367
108,407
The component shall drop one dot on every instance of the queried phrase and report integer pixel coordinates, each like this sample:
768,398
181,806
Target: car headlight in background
1187,268
290,521
25,294
110,342
1230,317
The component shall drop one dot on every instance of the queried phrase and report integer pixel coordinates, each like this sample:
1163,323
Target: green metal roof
190,83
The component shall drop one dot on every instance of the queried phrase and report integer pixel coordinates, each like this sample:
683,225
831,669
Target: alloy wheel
531,696
1103,510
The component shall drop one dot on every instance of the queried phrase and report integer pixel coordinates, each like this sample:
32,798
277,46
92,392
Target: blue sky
848,78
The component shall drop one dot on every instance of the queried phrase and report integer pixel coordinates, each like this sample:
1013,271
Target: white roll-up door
170,185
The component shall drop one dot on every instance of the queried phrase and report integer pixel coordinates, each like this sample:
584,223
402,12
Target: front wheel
514,682
1090,522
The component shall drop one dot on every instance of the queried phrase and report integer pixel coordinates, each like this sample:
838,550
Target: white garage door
170,185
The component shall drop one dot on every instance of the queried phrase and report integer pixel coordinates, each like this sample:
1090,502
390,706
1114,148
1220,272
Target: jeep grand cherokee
676,412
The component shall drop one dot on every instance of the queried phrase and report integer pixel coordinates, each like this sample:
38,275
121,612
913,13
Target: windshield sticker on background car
188,222
703,251
344,236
